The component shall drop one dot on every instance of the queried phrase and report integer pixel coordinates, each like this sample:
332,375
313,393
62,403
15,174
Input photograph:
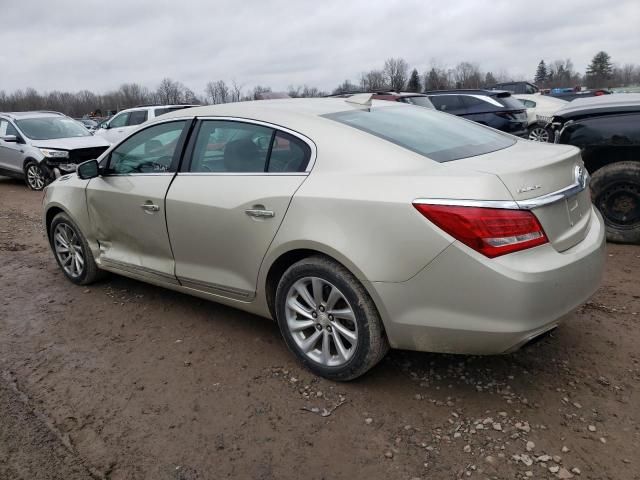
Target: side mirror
10,138
88,170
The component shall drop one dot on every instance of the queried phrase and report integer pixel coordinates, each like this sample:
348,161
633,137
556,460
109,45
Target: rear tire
72,252
338,311
37,175
615,190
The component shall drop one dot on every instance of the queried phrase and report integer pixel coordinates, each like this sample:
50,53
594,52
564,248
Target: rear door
227,202
126,203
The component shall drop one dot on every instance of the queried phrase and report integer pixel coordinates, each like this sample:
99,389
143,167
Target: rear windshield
438,136
49,128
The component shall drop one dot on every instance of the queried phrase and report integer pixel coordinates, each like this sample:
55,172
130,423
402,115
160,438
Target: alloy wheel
68,250
539,134
321,321
35,177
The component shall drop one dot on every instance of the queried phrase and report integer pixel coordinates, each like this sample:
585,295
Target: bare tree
396,73
236,92
217,92
467,75
170,92
373,80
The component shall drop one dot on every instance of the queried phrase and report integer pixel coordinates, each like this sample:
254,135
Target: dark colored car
607,130
494,108
517,87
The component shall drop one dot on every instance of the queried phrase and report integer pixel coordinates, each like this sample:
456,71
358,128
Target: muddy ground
123,380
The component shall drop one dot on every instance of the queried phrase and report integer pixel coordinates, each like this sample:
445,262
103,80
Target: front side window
6,128
137,117
150,151
49,128
438,137
226,146
119,120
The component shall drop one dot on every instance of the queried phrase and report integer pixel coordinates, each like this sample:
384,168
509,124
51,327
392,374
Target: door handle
260,213
150,207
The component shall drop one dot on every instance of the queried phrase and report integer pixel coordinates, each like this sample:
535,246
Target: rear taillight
490,231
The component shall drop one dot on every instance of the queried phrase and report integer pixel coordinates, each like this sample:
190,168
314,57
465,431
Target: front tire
37,175
539,133
72,251
615,190
328,320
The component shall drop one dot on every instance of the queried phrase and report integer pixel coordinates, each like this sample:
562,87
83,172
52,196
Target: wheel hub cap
321,321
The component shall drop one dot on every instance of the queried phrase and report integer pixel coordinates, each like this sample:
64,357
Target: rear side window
234,147
511,103
418,100
288,154
447,103
137,117
438,137
238,147
471,101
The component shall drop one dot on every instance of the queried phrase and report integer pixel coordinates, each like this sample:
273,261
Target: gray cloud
97,45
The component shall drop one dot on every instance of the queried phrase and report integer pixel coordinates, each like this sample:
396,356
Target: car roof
307,107
152,107
470,91
303,115
601,104
33,114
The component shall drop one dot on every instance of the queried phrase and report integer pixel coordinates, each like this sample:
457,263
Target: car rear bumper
463,302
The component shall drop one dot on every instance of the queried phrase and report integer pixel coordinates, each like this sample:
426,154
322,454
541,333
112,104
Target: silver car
38,146
357,225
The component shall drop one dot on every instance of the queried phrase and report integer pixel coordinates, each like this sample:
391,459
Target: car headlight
49,153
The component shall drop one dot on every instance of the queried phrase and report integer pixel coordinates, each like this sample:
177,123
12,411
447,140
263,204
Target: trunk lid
530,170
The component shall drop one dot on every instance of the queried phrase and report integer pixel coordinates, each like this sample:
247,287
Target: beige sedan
357,225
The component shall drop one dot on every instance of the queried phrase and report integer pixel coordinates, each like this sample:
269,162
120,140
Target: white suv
124,122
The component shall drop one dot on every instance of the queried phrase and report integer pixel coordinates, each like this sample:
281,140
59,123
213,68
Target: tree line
394,74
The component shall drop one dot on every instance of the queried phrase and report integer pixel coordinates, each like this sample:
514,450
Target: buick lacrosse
357,225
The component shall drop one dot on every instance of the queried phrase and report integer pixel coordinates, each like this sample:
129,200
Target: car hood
72,143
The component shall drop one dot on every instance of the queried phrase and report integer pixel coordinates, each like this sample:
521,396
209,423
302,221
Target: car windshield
48,128
438,136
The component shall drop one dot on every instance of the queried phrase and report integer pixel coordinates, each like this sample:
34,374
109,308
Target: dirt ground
123,380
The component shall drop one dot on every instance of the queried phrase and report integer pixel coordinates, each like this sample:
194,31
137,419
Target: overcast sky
97,45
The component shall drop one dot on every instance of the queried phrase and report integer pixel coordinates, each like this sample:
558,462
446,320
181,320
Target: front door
227,203
126,203
11,153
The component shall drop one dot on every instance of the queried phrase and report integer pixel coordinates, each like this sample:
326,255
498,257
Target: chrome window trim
243,174
310,143
529,204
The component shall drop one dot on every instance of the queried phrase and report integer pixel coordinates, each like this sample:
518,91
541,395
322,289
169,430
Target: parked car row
246,204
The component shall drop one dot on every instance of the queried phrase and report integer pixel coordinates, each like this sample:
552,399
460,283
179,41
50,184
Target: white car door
11,153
